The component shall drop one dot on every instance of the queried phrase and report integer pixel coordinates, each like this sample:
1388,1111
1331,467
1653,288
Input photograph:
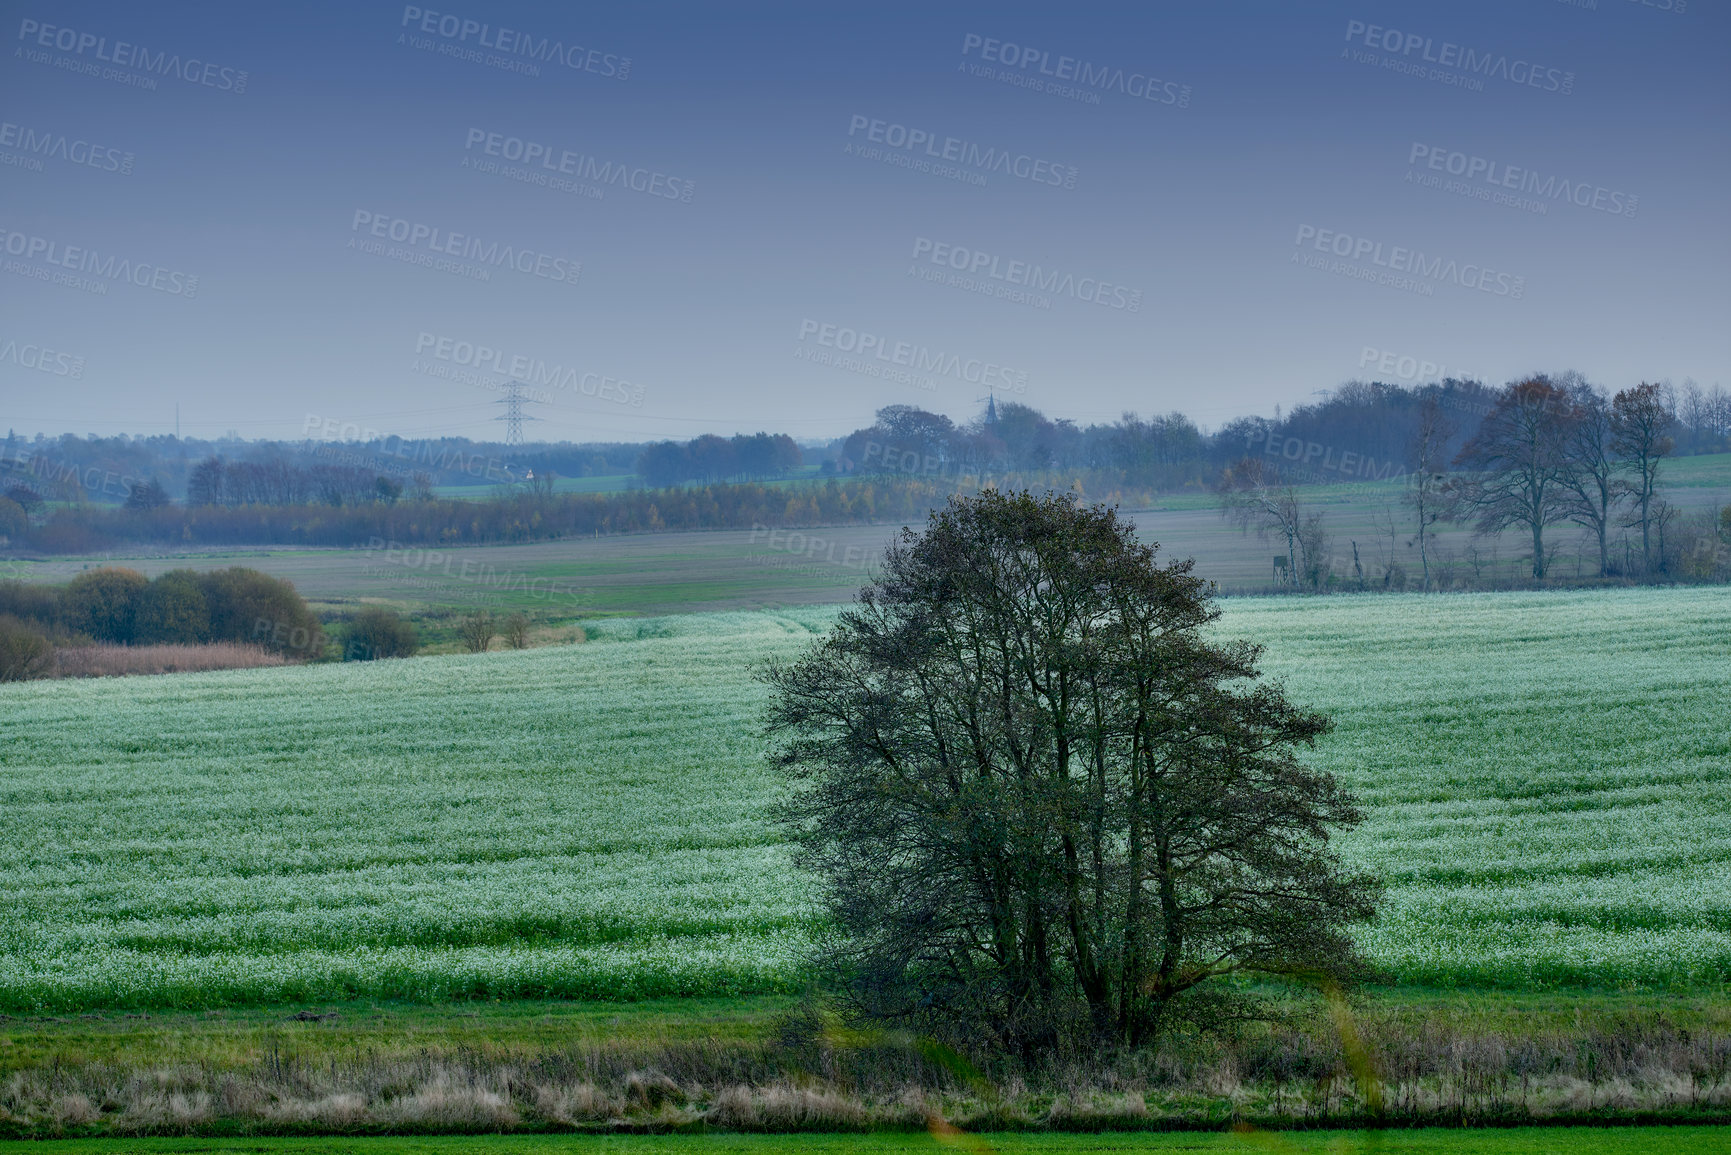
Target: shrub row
180,607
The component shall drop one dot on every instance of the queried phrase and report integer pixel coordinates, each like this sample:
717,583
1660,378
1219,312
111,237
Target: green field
670,573
1547,777
1529,1141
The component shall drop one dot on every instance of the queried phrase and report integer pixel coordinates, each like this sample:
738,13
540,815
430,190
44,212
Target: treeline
1548,453
1369,423
107,470
1366,426
214,481
1361,431
517,516
745,457
181,607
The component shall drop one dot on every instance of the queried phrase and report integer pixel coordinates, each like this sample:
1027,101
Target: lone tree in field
1045,808
1518,462
1427,491
1252,494
1641,421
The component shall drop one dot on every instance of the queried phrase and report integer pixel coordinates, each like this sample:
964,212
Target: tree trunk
1423,553
1646,549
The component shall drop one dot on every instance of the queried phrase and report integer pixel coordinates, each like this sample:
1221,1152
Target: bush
13,520
173,609
32,602
24,653
248,606
517,632
477,632
379,633
103,603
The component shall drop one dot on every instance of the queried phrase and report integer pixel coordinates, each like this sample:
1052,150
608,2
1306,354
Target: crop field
1547,778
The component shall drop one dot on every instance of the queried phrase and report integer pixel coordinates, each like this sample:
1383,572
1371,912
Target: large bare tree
1252,494
1517,461
1427,491
1045,807
1641,421
1591,489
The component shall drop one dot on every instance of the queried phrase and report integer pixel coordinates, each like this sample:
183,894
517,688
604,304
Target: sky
294,219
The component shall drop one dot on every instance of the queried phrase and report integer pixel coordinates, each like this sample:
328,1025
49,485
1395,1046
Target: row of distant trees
745,457
102,469
1548,452
521,514
1369,425
214,481
1374,422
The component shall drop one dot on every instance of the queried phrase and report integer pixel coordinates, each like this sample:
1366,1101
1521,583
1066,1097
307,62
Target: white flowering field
1548,778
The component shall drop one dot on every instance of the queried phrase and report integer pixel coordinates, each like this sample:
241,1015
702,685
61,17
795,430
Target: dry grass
1299,1076
110,661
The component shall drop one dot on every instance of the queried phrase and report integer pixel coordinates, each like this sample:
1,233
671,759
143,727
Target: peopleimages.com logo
985,272
1399,267
920,148
41,358
1466,62
542,162
76,259
529,370
35,145
1076,75
1485,179
869,352
192,70
426,242
523,48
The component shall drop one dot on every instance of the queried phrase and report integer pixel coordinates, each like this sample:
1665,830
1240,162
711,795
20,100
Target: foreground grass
768,1066
234,1038
1529,1141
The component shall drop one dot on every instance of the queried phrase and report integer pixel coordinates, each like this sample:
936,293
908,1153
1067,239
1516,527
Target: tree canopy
1046,806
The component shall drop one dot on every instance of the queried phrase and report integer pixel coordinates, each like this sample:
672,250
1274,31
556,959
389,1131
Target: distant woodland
1533,455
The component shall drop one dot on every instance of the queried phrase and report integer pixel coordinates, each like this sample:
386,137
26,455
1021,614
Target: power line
513,417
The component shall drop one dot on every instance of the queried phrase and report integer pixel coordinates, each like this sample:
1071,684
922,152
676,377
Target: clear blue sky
1208,207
